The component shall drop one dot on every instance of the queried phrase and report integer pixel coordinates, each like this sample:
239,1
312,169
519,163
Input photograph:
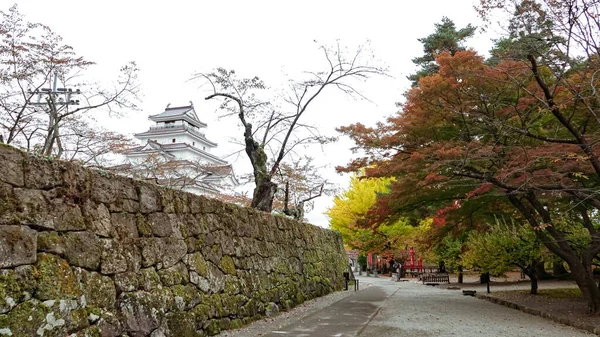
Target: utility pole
54,100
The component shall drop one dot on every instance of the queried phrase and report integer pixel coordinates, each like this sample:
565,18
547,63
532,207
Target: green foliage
502,248
445,39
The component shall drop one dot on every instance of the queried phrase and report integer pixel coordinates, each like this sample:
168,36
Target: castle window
204,148
194,143
173,140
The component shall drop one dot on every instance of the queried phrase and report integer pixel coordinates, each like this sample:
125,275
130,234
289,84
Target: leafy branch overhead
272,125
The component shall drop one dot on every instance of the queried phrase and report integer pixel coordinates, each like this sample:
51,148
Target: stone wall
86,253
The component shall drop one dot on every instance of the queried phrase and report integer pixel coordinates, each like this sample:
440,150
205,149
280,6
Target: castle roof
154,147
186,113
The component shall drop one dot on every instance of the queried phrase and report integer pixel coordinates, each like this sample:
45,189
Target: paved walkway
389,309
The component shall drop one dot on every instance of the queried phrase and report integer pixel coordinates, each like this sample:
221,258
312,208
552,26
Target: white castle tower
176,152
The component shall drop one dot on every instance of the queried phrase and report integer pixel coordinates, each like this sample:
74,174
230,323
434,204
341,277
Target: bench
434,279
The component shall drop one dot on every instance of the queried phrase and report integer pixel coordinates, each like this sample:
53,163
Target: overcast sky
170,40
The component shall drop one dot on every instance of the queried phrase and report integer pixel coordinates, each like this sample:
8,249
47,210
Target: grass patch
561,293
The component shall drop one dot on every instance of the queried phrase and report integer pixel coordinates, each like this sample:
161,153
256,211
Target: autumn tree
350,212
446,38
38,112
519,136
275,127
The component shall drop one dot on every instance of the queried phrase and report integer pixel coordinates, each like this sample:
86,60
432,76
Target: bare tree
275,126
33,62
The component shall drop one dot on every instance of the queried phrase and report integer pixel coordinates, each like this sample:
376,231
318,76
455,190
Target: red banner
370,259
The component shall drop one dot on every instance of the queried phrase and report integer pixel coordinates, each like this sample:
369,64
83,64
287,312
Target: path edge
537,312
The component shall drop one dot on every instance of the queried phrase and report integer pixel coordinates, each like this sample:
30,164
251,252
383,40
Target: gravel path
404,309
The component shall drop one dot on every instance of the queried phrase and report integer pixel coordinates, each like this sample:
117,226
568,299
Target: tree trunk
585,280
531,272
540,270
558,268
460,274
264,192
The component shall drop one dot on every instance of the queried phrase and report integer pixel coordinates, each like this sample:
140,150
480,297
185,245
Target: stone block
42,173
127,281
174,250
104,187
164,225
98,219
125,225
51,242
177,274
119,256
32,208
83,249
56,279
11,170
66,216
97,291
151,250
149,196
18,246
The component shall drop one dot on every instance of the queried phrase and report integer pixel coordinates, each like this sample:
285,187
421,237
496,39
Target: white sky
170,40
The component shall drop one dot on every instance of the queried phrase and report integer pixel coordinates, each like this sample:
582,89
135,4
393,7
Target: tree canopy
518,136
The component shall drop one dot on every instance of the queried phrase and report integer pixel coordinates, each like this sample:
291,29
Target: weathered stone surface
51,242
152,250
98,219
119,256
149,196
174,251
142,311
127,281
43,174
18,246
11,170
125,225
83,249
66,216
10,291
32,208
103,187
177,274
164,225
26,318
149,279
97,291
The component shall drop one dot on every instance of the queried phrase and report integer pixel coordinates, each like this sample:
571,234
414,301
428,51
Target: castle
175,152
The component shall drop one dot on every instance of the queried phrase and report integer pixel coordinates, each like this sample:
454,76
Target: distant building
176,152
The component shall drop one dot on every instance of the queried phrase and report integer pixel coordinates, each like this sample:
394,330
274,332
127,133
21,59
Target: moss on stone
77,320
178,274
26,318
198,264
10,291
144,229
99,290
227,265
212,327
149,279
188,295
51,242
181,324
56,279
